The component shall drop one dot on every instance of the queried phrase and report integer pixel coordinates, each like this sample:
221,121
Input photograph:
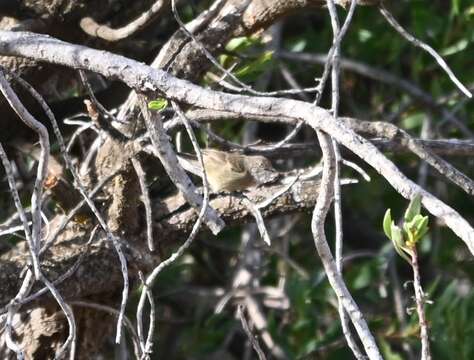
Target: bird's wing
237,165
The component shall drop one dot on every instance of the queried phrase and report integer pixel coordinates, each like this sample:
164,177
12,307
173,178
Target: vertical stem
420,304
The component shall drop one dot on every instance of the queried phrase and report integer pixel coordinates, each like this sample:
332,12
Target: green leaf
299,45
455,6
363,278
158,104
399,243
241,43
422,227
364,35
413,208
256,66
225,60
469,11
387,223
415,223
408,231
387,350
412,225
455,48
397,236
414,121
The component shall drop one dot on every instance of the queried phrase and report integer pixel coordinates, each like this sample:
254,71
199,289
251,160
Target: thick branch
98,273
144,78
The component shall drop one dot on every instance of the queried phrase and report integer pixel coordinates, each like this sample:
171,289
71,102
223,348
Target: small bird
228,171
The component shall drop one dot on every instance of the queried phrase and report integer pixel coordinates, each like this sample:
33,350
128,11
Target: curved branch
144,78
92,28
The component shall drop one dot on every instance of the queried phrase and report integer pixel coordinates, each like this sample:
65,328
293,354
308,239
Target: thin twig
172,258
335,74
418,43
243,87
71,339
335,45
147,346
80,187
92,28
167,156
196,147
252,338
205,206
387,78
448,147
19,207
209,56
317,225
95,101
61,226
42,170
151,326
391,131
110,310
67,274
398,300
257,214
13,307
260,322
146,202
36,200
144,78
420,306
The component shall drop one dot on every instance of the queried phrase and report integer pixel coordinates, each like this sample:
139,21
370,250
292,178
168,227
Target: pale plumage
228,171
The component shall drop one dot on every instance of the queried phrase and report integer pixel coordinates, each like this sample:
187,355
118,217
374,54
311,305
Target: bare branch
391,131
146,202
252,338
126,320
78,184
144,78
330,267
42,171
35,235
335,75
418,43
92,28
385,77
420,306
167,156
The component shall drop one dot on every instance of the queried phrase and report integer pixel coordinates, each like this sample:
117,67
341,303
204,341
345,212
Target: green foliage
252,60
413,209
310,328
415,226
255,67
204,342
243,43
158,104
388,352
452,327
414,121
